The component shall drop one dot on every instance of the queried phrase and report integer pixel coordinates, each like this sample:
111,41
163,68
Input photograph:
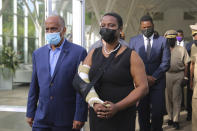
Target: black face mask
195,42
148,32
171,42
108,35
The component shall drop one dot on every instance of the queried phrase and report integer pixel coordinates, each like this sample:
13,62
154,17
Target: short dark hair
194,34
118,18
146,18
179,31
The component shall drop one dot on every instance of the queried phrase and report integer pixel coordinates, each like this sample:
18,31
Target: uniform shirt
179,58
194,59
146,41
54,55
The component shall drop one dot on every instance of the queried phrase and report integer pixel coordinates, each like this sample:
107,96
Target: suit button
51,97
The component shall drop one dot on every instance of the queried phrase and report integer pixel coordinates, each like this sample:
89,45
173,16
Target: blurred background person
189,90
180,38
176,78
156,57
181,42
193,77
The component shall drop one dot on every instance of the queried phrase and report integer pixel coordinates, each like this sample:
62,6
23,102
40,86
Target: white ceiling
132,10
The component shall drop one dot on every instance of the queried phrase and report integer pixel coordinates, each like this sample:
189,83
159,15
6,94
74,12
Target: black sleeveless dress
115,84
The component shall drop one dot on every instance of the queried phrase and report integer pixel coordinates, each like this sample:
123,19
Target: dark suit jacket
52,100
159,60
188,48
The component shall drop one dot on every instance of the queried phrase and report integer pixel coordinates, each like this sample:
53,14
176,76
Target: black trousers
151,108
53,129
189,100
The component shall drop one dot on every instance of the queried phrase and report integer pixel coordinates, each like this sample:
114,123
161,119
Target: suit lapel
142,51
46,59
63,53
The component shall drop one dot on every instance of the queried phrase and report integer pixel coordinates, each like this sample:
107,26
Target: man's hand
184,82
191,84
151,80
77,125
30,121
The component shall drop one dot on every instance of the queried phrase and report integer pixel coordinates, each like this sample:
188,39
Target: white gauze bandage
92,96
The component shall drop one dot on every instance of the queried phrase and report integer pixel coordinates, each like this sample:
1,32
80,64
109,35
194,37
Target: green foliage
8,59
8,28
89,18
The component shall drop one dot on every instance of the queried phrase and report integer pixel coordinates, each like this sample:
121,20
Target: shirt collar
180,42
151,37
59,48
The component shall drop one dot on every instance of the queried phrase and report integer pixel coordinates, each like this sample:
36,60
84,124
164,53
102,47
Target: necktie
148,48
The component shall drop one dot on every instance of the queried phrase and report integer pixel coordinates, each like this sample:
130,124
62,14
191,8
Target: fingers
77,125
105,111
104,115
30,121
107,103
100,108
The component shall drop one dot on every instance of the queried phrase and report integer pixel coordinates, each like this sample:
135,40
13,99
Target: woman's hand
100,110
99,107
111,110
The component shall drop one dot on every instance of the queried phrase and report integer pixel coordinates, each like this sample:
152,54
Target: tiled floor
17,98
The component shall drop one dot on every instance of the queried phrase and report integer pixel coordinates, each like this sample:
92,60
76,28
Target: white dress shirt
146,41
180,43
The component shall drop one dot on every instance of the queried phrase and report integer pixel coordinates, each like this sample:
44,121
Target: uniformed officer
193,77
176,77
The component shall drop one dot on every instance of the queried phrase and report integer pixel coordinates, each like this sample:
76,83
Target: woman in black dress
116,86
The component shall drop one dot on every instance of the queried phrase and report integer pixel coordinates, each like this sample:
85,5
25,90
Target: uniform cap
171,34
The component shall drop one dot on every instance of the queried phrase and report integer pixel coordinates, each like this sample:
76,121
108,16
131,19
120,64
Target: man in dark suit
156,57
53,104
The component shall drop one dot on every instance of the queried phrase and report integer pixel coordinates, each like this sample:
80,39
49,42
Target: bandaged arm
92,96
